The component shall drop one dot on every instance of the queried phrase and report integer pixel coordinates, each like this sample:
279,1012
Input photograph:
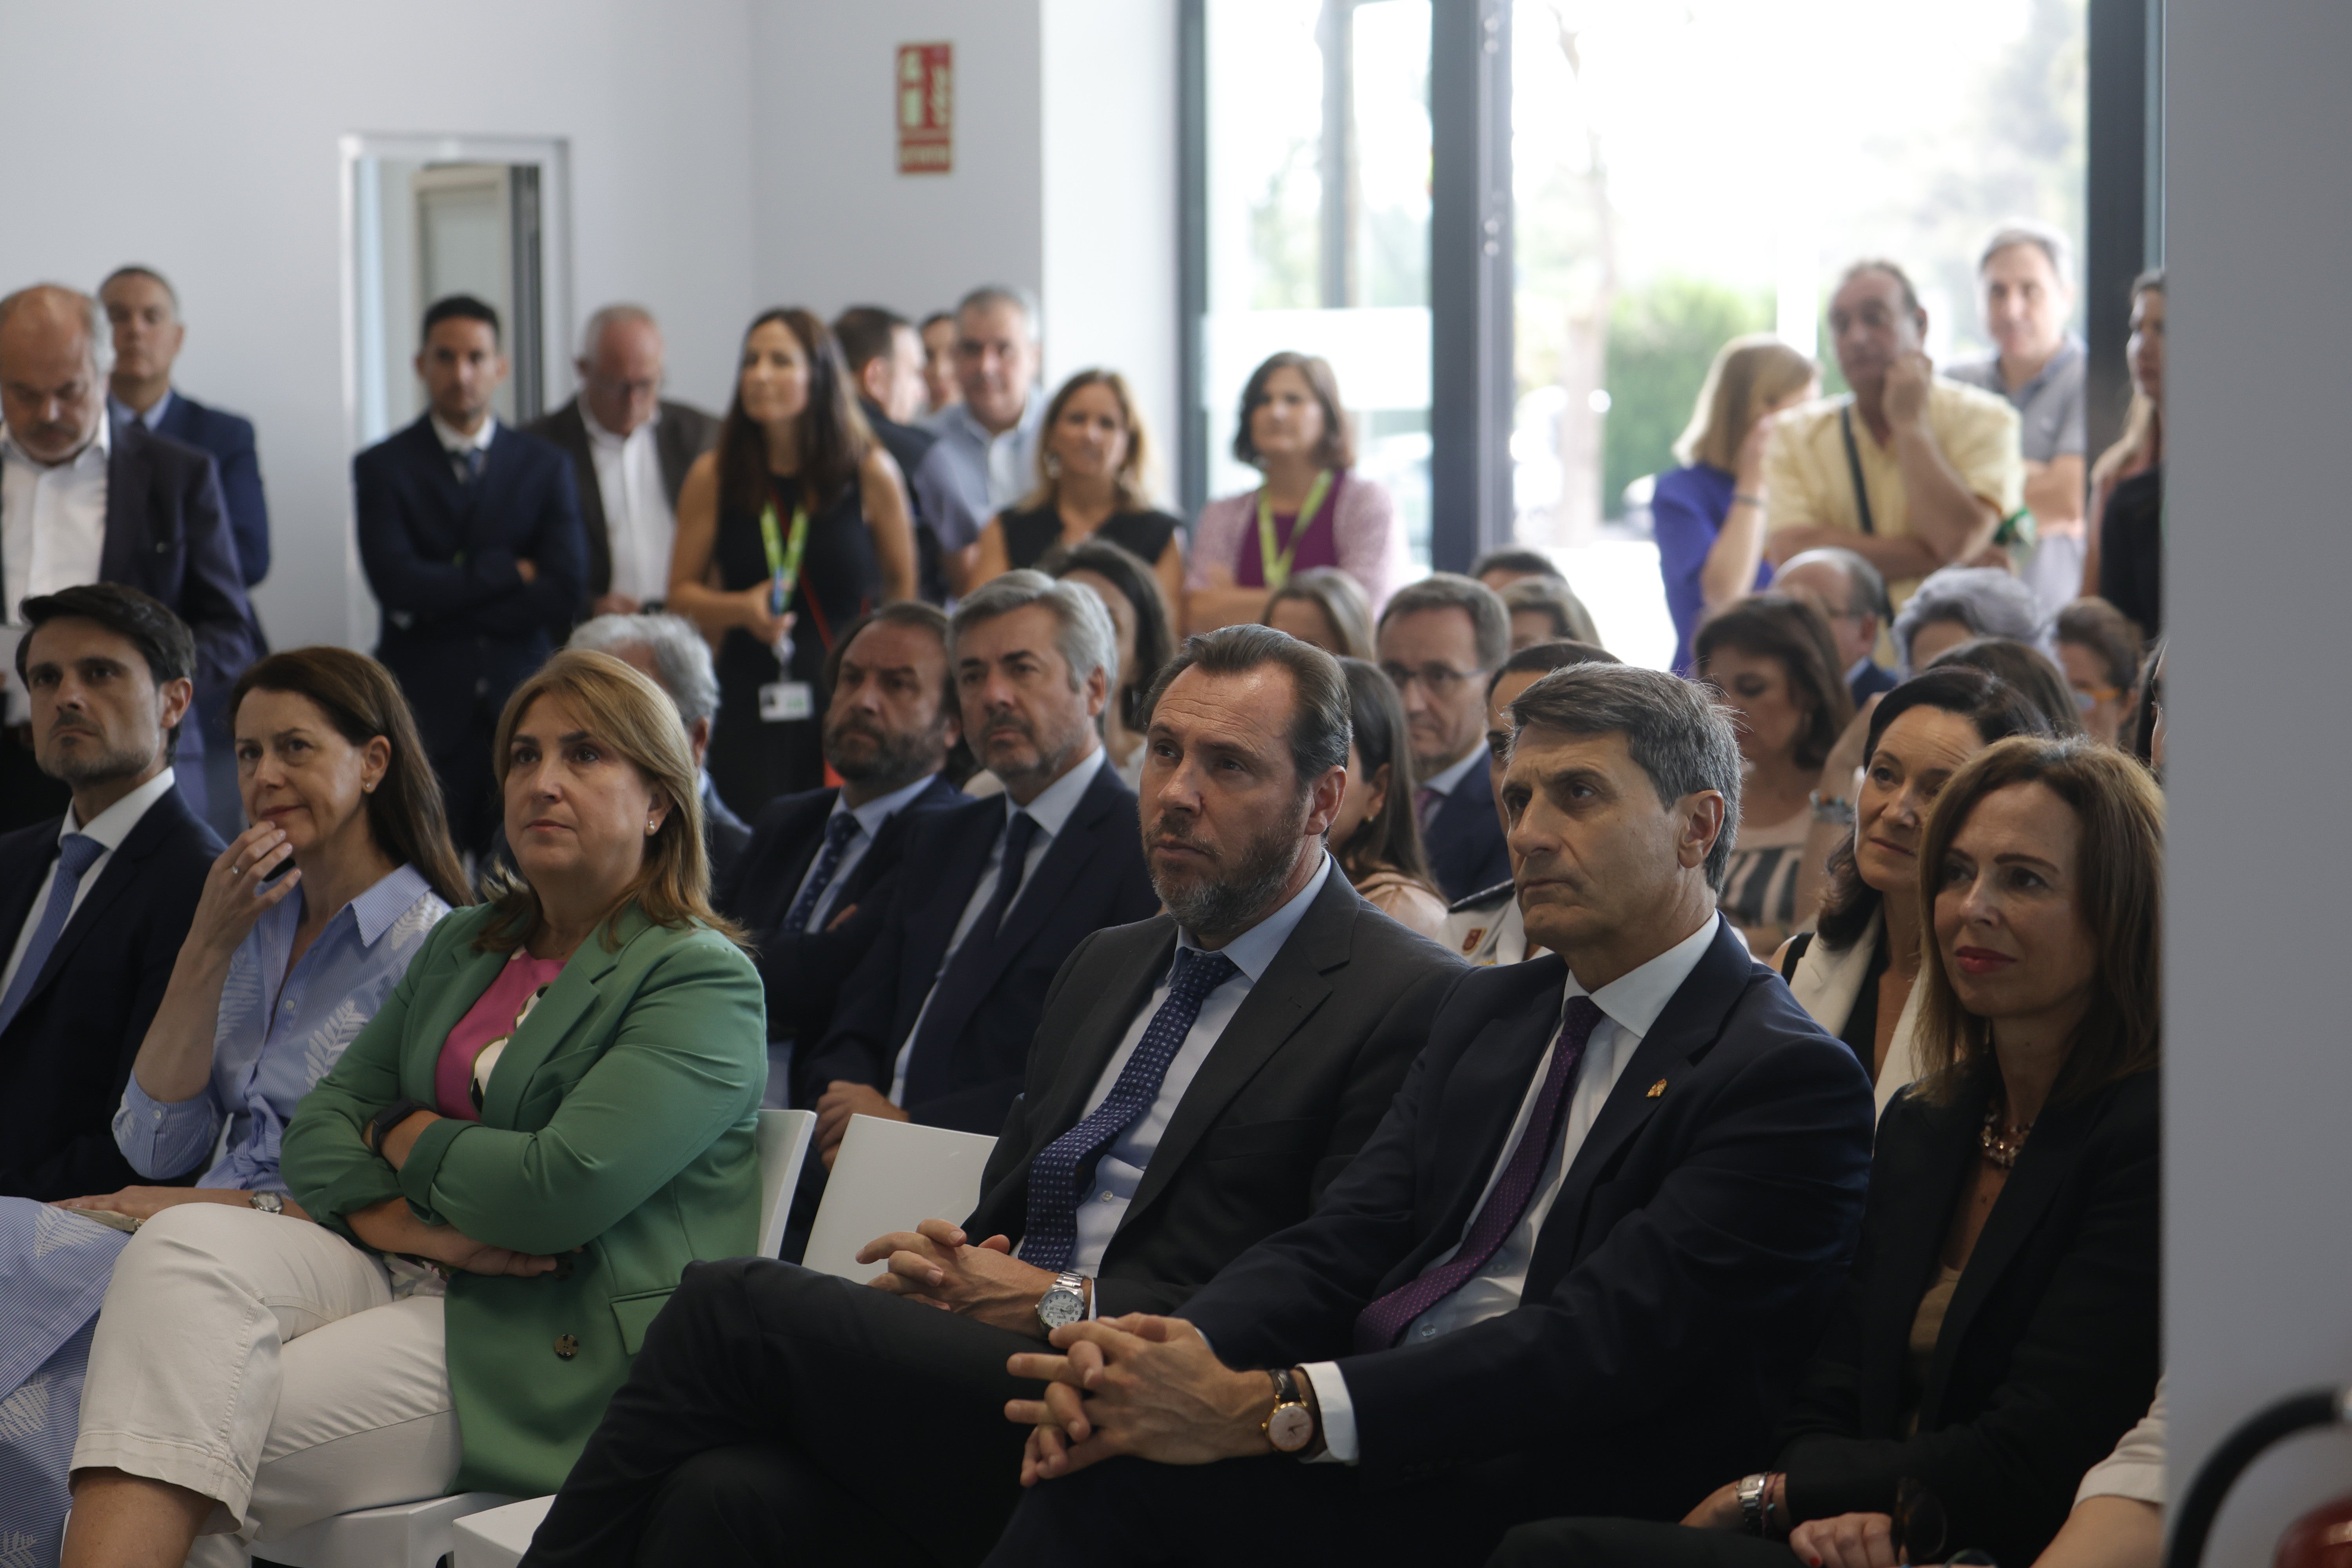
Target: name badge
783,701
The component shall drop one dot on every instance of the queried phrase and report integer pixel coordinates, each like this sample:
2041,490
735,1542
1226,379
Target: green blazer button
566,1346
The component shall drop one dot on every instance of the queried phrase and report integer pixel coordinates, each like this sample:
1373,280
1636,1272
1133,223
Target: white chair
417,1534
889,1175
497,1538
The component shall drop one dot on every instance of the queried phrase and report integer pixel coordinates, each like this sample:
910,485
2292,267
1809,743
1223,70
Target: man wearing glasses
1850,592
1438,639
630,449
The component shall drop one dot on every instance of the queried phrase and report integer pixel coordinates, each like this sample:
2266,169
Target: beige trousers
262,1362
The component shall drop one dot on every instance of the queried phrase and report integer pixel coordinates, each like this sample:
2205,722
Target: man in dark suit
1198,1081
814,885
1850,591
935,1024
94,906
884,358
1439,641
83,499
630,447
470,534
1579,1267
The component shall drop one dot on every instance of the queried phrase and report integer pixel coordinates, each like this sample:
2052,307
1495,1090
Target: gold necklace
2001,1144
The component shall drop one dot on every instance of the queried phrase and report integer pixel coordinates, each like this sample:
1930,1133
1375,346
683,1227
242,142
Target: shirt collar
1443,781
456,444
113,824
393,896
2069,348
1033,414
101,444
152,418
604,437
1055,802
1255,948
882,808
1633,1000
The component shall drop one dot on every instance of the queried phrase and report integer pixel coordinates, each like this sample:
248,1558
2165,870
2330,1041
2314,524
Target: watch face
1290,1428
1060,1305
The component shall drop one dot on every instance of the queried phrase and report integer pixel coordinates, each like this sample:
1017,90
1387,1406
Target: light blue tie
77,852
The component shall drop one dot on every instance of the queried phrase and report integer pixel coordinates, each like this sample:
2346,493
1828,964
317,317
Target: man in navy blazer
470,534
1581,1263
1439,641
935,1024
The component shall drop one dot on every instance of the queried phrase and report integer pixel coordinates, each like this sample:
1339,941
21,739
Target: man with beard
1198,1080
934,1024
817,881
93,908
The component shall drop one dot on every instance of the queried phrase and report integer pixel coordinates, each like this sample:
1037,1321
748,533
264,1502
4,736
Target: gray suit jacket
684,434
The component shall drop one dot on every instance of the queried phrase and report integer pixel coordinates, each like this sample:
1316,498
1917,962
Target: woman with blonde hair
1325,606
1708,514
554,1110
1092,456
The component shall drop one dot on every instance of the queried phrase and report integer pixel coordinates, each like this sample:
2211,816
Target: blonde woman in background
1325,606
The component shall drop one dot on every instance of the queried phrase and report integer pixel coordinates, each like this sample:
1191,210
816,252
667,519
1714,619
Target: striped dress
1760,886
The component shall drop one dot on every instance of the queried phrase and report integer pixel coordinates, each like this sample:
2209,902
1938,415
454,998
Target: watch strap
380,1127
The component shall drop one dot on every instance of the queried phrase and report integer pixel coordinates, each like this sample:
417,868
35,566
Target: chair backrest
785,1138
892,1175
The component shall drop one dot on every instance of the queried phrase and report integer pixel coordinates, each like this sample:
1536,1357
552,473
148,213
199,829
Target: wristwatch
1831,811
391,1116
1755,1502
268,1203
1290,1424
1065,1301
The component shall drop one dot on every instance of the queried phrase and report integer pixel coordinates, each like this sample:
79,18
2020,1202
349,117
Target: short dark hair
1677,734
1337,448
899,612
934,318
459,307
1892,270
146,623
2028,670
2095,624
134,270
1532,563
1793,631
1320,722
1546,657
1490,623
864,332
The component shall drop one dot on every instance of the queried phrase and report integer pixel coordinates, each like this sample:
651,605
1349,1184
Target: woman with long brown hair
793,528
1375,838
1092,456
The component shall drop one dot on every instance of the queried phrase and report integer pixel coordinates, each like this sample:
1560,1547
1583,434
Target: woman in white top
1854,973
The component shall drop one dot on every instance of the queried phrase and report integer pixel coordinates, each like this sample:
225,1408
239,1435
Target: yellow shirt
1808,484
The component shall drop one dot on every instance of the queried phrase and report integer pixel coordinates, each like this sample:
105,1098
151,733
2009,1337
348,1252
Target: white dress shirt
638,521
109,827
1051,811
1630,1004
52,534
869,818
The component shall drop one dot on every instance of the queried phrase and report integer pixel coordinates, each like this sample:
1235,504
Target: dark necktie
964,980
1053,1228
838,832
75,854
473,460
1378,1326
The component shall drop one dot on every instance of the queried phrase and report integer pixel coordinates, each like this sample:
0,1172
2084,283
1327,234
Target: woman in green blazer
551,1117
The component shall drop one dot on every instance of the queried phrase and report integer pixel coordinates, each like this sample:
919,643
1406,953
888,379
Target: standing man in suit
886,360
1197,1082
470,534
1583,1259
83,499
630,447
1439,641
935,1024
94,905
814,885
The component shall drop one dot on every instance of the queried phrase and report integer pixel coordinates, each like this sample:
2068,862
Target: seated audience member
2098,652
1857,971
555,1104
1961,603
1138,615
1708,514
1498,569
2125,567
1438,639
940,390
2147,713
1911,471
1998,1332
1197,1081
885,361
2026,669
2118,1516
989,432
1544,610
1485,927
666,650
1578,1265
1772,658
93,905
1852,596
1313,510
1325,606
273,981
934,1024
630,449
470,535
813,886
1091,461
92,499
1374,836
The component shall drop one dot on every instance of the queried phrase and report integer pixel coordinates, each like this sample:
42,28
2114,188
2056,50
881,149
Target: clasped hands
936,1264
1138,1384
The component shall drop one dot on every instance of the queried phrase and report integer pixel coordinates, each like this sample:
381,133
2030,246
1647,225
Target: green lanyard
1277,566
783,555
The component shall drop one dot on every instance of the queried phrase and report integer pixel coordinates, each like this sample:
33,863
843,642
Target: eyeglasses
2089,697
1441,681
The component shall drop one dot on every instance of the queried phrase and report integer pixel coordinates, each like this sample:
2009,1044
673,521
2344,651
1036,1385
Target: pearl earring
653,826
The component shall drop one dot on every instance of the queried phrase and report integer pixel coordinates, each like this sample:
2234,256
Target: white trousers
262,1362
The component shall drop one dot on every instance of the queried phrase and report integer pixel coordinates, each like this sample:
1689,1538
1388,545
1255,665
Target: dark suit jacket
65,1056
1679,1277
908,447
1284,1099
1091,875
684,434
458,620
228,437
2050,1351
1465,840
1874,678
803,971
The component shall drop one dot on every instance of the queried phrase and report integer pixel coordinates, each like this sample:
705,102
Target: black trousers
775,1416
1633,1543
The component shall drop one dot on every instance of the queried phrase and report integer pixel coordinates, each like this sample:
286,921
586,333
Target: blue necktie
838,832
472,465
1053,1228
963,982
77,852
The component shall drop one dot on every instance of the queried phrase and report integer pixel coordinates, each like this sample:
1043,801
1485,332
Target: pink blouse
1363,527
492,1016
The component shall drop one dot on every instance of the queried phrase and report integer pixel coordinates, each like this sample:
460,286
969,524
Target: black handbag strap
1853,466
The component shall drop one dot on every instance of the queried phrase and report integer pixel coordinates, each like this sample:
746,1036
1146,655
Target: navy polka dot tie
838,832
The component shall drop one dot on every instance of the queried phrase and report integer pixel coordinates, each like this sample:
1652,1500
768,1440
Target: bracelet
1741,498
1830,811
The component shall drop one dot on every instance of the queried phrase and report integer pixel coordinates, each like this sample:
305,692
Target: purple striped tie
1378,1326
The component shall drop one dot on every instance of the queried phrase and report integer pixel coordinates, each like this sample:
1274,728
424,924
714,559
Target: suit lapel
976,829
566,1001
128,474
1062,866
1097,1038
122,870
21,874
1927,1172
443,480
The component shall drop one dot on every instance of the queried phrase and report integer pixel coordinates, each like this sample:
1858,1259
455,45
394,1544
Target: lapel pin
1657,1090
